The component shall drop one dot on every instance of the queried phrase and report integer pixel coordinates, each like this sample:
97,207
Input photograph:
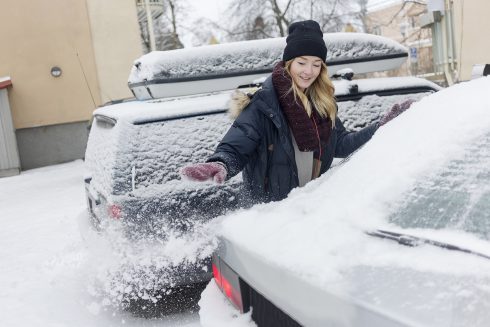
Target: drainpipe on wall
149,19
448,44
450,28
9,153
445,45
442,38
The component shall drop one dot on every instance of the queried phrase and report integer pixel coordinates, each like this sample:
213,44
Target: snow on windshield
251,55
457,196
325,220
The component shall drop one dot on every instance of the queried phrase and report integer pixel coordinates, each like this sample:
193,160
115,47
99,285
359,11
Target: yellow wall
116,44
472,31
94,42
35,36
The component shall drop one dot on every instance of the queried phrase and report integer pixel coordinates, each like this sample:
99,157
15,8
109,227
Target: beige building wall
471,34
116,44
35,36
94,42
399,21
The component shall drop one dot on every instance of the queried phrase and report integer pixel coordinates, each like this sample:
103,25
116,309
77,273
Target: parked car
136,148
399,235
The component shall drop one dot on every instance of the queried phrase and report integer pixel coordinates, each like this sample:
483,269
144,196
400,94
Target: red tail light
114,211
228,281
217,275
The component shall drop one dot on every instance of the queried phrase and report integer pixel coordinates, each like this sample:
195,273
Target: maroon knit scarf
307,131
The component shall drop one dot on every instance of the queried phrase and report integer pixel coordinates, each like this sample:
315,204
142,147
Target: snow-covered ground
45,267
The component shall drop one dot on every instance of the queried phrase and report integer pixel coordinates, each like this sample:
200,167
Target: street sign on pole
413,55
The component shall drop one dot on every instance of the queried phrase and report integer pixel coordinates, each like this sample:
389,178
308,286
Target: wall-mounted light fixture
56,71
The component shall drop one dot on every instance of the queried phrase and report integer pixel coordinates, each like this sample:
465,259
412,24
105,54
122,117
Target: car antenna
86,81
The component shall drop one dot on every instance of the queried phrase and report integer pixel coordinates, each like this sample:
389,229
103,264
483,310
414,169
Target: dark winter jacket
259,143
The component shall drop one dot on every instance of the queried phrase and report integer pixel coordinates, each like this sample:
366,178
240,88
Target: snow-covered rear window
160,149
150,154
357,114
455,197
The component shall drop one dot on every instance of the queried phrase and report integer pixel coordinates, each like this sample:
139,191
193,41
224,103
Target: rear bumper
171,276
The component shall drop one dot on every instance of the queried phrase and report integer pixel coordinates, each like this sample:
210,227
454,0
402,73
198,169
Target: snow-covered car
136,148
399,235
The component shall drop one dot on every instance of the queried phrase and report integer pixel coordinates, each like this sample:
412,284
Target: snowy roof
152,110
383,84
253,56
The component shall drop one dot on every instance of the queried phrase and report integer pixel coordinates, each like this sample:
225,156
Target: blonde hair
321,93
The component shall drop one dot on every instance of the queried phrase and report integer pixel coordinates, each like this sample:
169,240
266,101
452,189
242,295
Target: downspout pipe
447,44
450,26
149,20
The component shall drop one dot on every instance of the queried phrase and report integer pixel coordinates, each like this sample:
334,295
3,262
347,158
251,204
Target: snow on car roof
256,55
167,108
383,84
153,110
324,222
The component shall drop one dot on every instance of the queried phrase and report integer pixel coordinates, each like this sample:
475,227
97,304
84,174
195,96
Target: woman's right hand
205,171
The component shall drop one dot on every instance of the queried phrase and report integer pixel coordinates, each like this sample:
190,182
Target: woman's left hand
395,111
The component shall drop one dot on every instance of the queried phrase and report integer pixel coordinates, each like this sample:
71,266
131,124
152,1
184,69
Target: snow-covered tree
254,19
168,16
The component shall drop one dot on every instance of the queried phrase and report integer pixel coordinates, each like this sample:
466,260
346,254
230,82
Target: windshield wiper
410,240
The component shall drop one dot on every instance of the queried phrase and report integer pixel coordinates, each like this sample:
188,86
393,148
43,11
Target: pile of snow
325,221
125,270
46,271
251,56
217,311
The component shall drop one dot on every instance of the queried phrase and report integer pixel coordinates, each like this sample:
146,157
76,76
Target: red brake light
114,211
229,285
228,289
216,274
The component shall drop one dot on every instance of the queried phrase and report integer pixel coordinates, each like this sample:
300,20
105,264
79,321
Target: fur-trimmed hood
240,99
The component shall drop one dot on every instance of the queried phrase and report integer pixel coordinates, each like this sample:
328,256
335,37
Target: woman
288,133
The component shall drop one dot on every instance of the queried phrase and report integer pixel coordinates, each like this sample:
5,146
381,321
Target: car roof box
226,66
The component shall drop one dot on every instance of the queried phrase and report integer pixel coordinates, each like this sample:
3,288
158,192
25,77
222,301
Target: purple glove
396,110
204,171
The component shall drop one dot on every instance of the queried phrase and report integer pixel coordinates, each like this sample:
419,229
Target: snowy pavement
44,264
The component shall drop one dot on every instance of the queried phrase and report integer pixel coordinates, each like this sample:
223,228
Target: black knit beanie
305,38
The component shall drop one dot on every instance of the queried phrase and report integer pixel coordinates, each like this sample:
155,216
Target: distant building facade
445,37
64,59
462,29
400,21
